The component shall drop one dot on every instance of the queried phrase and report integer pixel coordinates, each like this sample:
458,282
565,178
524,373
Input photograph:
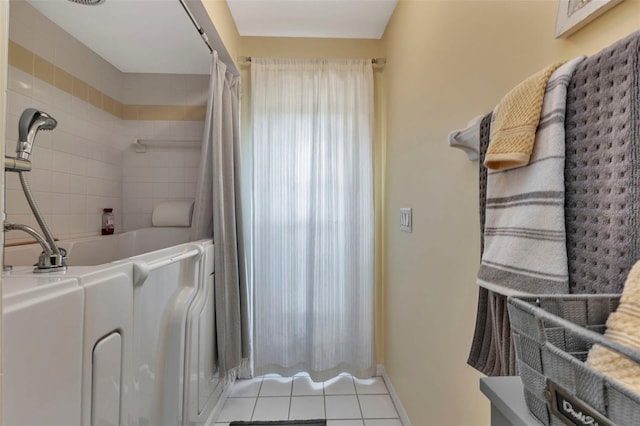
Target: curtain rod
375,61
203,35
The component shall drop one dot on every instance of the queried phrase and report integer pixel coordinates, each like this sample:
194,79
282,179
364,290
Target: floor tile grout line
346,394
290,399
353,382
324,401
360,407
392,401
273,396
256,403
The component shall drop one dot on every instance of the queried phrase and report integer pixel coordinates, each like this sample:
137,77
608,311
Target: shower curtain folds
218,214
313,217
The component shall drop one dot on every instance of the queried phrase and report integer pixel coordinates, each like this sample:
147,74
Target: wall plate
405,219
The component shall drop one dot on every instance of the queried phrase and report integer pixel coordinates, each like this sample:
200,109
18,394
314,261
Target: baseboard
404,418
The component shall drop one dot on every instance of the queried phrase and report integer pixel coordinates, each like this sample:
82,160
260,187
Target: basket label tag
573,411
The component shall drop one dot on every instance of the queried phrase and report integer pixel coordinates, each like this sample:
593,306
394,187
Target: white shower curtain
313,223
218,214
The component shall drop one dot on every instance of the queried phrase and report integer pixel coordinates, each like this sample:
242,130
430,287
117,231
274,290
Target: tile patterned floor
343,401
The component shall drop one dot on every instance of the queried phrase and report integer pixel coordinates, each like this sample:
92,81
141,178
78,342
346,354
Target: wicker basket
552,336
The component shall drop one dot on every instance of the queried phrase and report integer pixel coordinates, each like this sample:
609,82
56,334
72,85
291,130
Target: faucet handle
52,262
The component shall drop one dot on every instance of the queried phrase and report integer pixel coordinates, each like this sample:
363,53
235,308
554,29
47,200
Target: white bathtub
90,251
148,306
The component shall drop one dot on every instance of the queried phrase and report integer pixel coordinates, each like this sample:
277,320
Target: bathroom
425,280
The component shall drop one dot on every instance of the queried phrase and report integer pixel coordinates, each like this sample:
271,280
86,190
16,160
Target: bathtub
148,338
90,251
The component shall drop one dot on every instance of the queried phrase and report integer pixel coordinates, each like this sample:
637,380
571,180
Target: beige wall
4,42
224,24
327,48
449,61
295,47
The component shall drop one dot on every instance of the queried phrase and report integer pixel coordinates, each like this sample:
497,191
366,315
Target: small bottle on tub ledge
107,222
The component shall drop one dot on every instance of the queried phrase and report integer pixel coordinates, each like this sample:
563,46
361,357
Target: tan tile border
63,80
27,61
43,70
20,57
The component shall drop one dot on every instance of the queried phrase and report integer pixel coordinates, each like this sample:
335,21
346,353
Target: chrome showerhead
31,121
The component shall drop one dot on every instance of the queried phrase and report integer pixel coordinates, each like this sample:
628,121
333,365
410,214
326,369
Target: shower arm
29,230
38,215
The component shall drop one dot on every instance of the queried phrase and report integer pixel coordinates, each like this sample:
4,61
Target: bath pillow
172,213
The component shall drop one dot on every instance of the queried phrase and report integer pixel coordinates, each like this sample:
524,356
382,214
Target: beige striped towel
525,243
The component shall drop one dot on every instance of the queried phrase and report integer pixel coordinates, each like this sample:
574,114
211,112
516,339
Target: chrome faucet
31,121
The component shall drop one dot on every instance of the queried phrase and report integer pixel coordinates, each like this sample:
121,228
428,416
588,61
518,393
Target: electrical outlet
405,219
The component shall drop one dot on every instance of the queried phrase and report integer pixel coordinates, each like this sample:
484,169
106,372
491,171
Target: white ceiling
136,36
312,18
156,36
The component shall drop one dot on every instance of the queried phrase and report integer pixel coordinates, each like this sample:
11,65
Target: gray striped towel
524,236
492,351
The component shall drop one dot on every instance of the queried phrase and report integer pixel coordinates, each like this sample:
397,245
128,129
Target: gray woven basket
552,337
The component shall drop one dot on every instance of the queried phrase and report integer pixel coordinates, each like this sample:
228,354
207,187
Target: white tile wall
77,167
155,176
86,164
